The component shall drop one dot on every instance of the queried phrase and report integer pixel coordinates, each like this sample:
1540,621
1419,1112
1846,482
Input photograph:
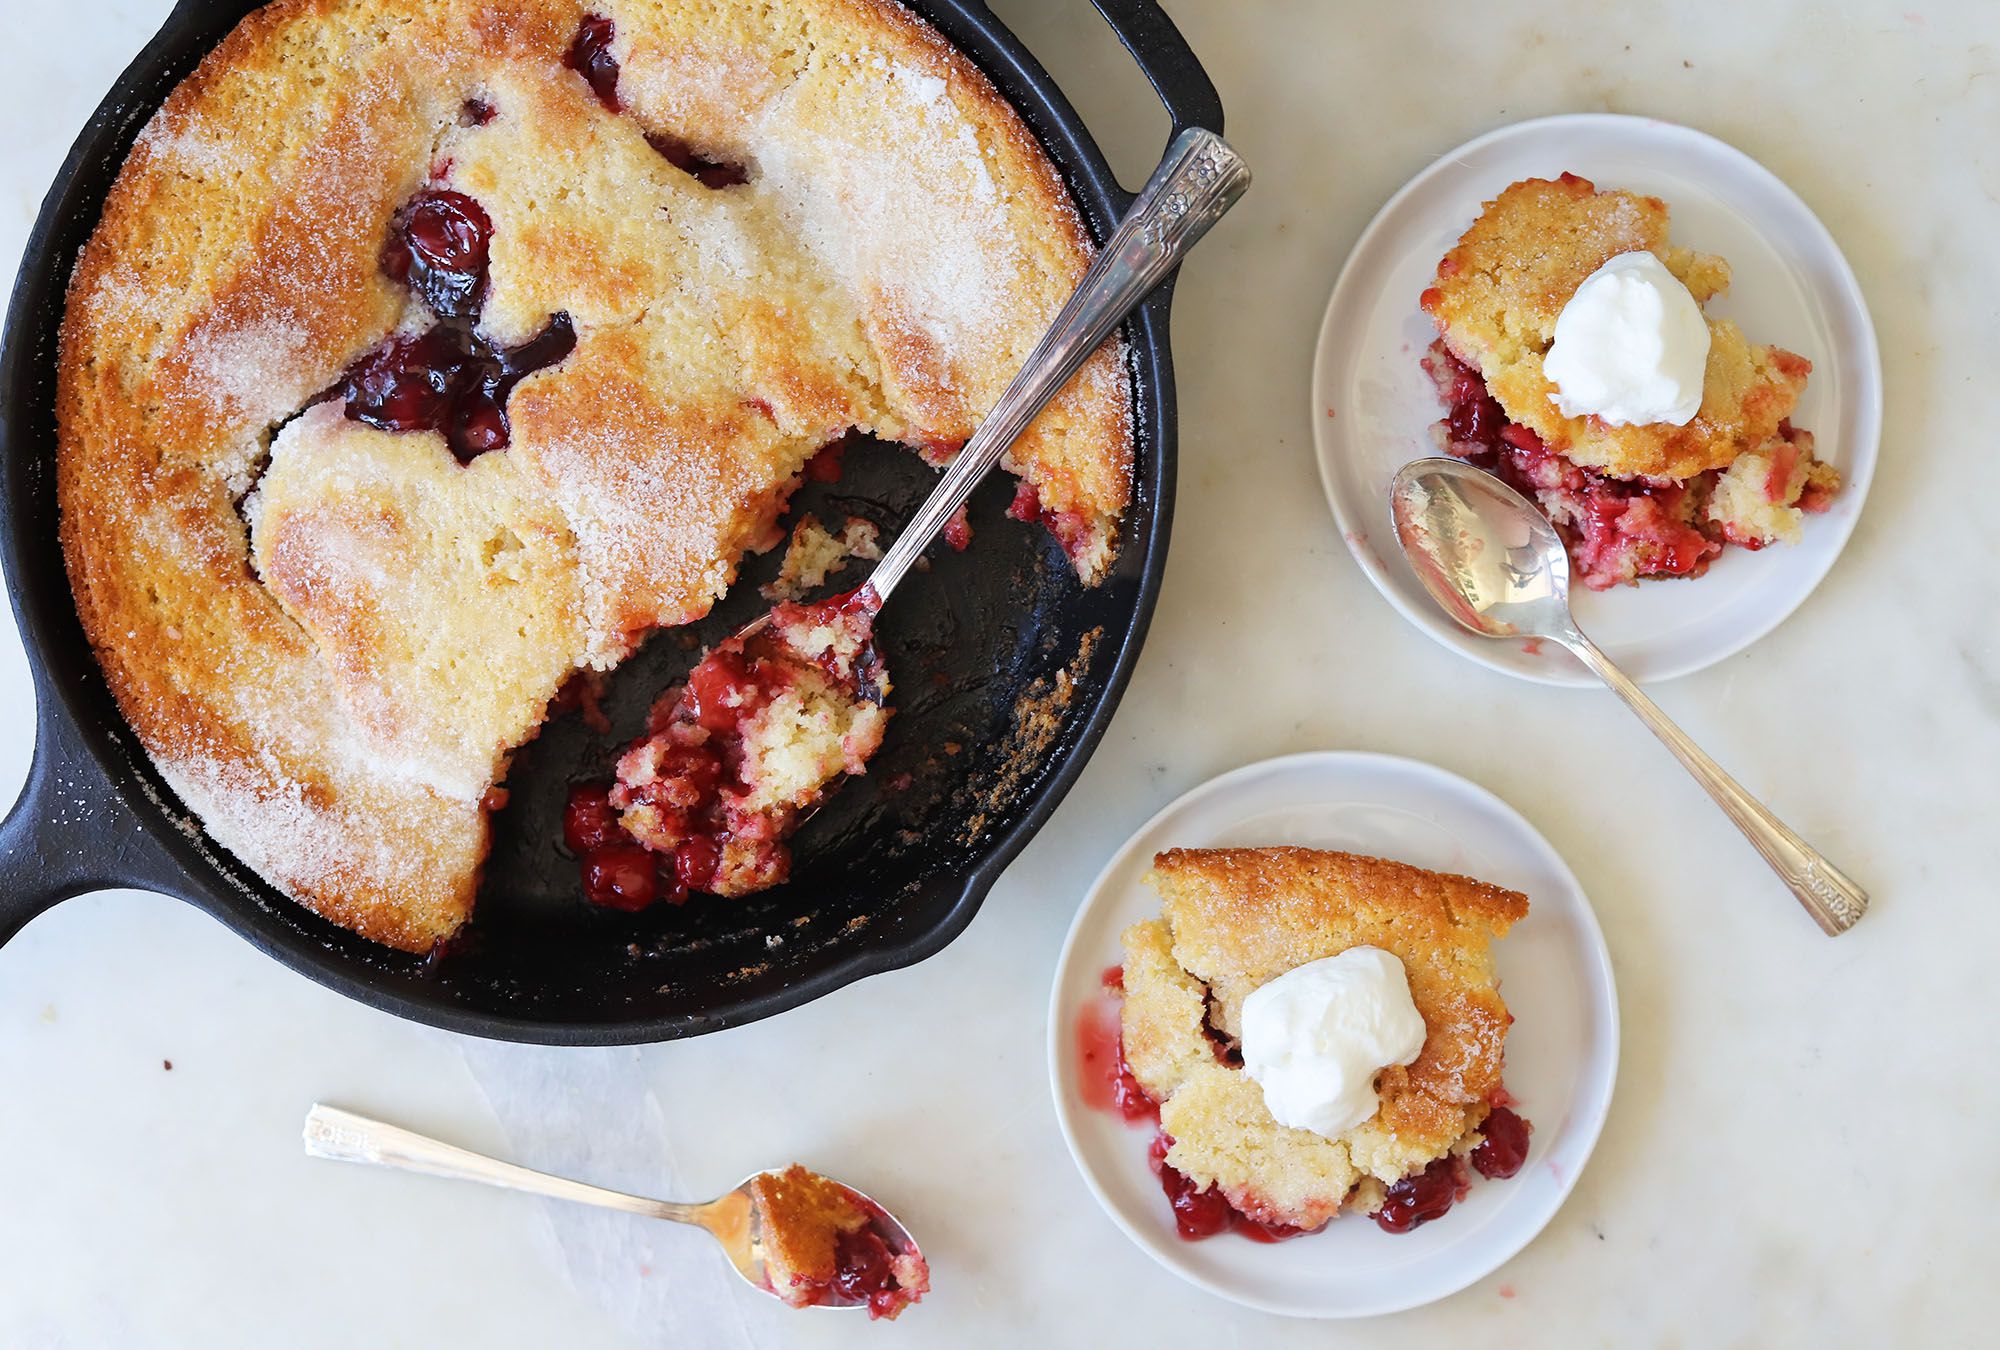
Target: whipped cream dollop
1315,1037
1630,347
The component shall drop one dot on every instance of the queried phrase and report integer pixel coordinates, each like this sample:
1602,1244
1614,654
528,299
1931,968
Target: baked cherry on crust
712,173
440,246
449,380
590,56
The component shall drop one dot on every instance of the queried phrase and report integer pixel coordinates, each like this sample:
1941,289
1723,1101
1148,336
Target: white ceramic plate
1562,1052
1373,405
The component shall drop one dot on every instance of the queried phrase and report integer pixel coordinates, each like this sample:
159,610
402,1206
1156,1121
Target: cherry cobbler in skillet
1319,1032
1635,495
431,354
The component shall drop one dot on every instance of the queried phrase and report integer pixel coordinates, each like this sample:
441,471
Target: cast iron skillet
1006,673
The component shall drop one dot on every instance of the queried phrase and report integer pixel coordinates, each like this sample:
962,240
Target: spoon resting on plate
766,1224
1496,565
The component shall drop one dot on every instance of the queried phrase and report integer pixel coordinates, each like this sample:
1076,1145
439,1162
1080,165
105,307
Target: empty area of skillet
974,648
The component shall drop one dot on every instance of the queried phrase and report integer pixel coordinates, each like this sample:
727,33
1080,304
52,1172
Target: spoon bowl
1496,565
1490,559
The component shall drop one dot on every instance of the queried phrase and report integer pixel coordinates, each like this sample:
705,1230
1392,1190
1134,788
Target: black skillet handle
71,831
1167,60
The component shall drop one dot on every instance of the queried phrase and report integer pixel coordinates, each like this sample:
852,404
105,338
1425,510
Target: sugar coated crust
1500,290
331,638
1234,919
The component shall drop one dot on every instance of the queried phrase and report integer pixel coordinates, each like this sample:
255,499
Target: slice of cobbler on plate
1576,362
1322,1032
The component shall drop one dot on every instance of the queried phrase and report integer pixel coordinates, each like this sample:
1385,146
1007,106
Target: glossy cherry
1505,1147
1416,1200
620,876
714,173
440,245
590,821
449,380
864,1270
590,56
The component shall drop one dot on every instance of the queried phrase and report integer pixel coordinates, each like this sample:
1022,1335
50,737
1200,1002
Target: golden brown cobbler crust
1500,290
801,1216
334,696
1234,919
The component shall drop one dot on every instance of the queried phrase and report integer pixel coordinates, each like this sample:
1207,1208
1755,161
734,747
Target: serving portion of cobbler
1633,501
1236,920
823,1242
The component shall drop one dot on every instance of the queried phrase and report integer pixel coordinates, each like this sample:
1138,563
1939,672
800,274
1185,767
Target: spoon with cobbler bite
800,1237
737,756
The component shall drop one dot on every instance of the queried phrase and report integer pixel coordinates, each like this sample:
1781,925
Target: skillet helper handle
1199,180
1169,63
71,832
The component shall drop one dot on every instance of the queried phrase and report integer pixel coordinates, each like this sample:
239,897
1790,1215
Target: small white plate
1373,405
1562,1052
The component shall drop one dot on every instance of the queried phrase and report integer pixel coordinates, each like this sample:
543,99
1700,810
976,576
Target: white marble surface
1801,1151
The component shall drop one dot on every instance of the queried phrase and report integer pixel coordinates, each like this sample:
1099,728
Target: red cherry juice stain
1106,1082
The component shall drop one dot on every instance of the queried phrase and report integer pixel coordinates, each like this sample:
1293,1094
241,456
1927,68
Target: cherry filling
1616,529
710,173
1108,1082
1416,1200
439,248
864,1272
1071,528
825,466
1202,1212
684,789
1505,1147
449,379
618,872
958,531
590,56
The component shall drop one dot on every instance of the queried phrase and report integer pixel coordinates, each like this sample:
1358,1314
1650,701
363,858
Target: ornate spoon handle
346,1137
1833,900
1199,180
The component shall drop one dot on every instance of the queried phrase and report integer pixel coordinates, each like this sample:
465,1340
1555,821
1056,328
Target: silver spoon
1197,181
731,1219
1495,564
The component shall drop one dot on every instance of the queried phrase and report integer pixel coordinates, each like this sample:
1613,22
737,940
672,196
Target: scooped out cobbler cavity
734,757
